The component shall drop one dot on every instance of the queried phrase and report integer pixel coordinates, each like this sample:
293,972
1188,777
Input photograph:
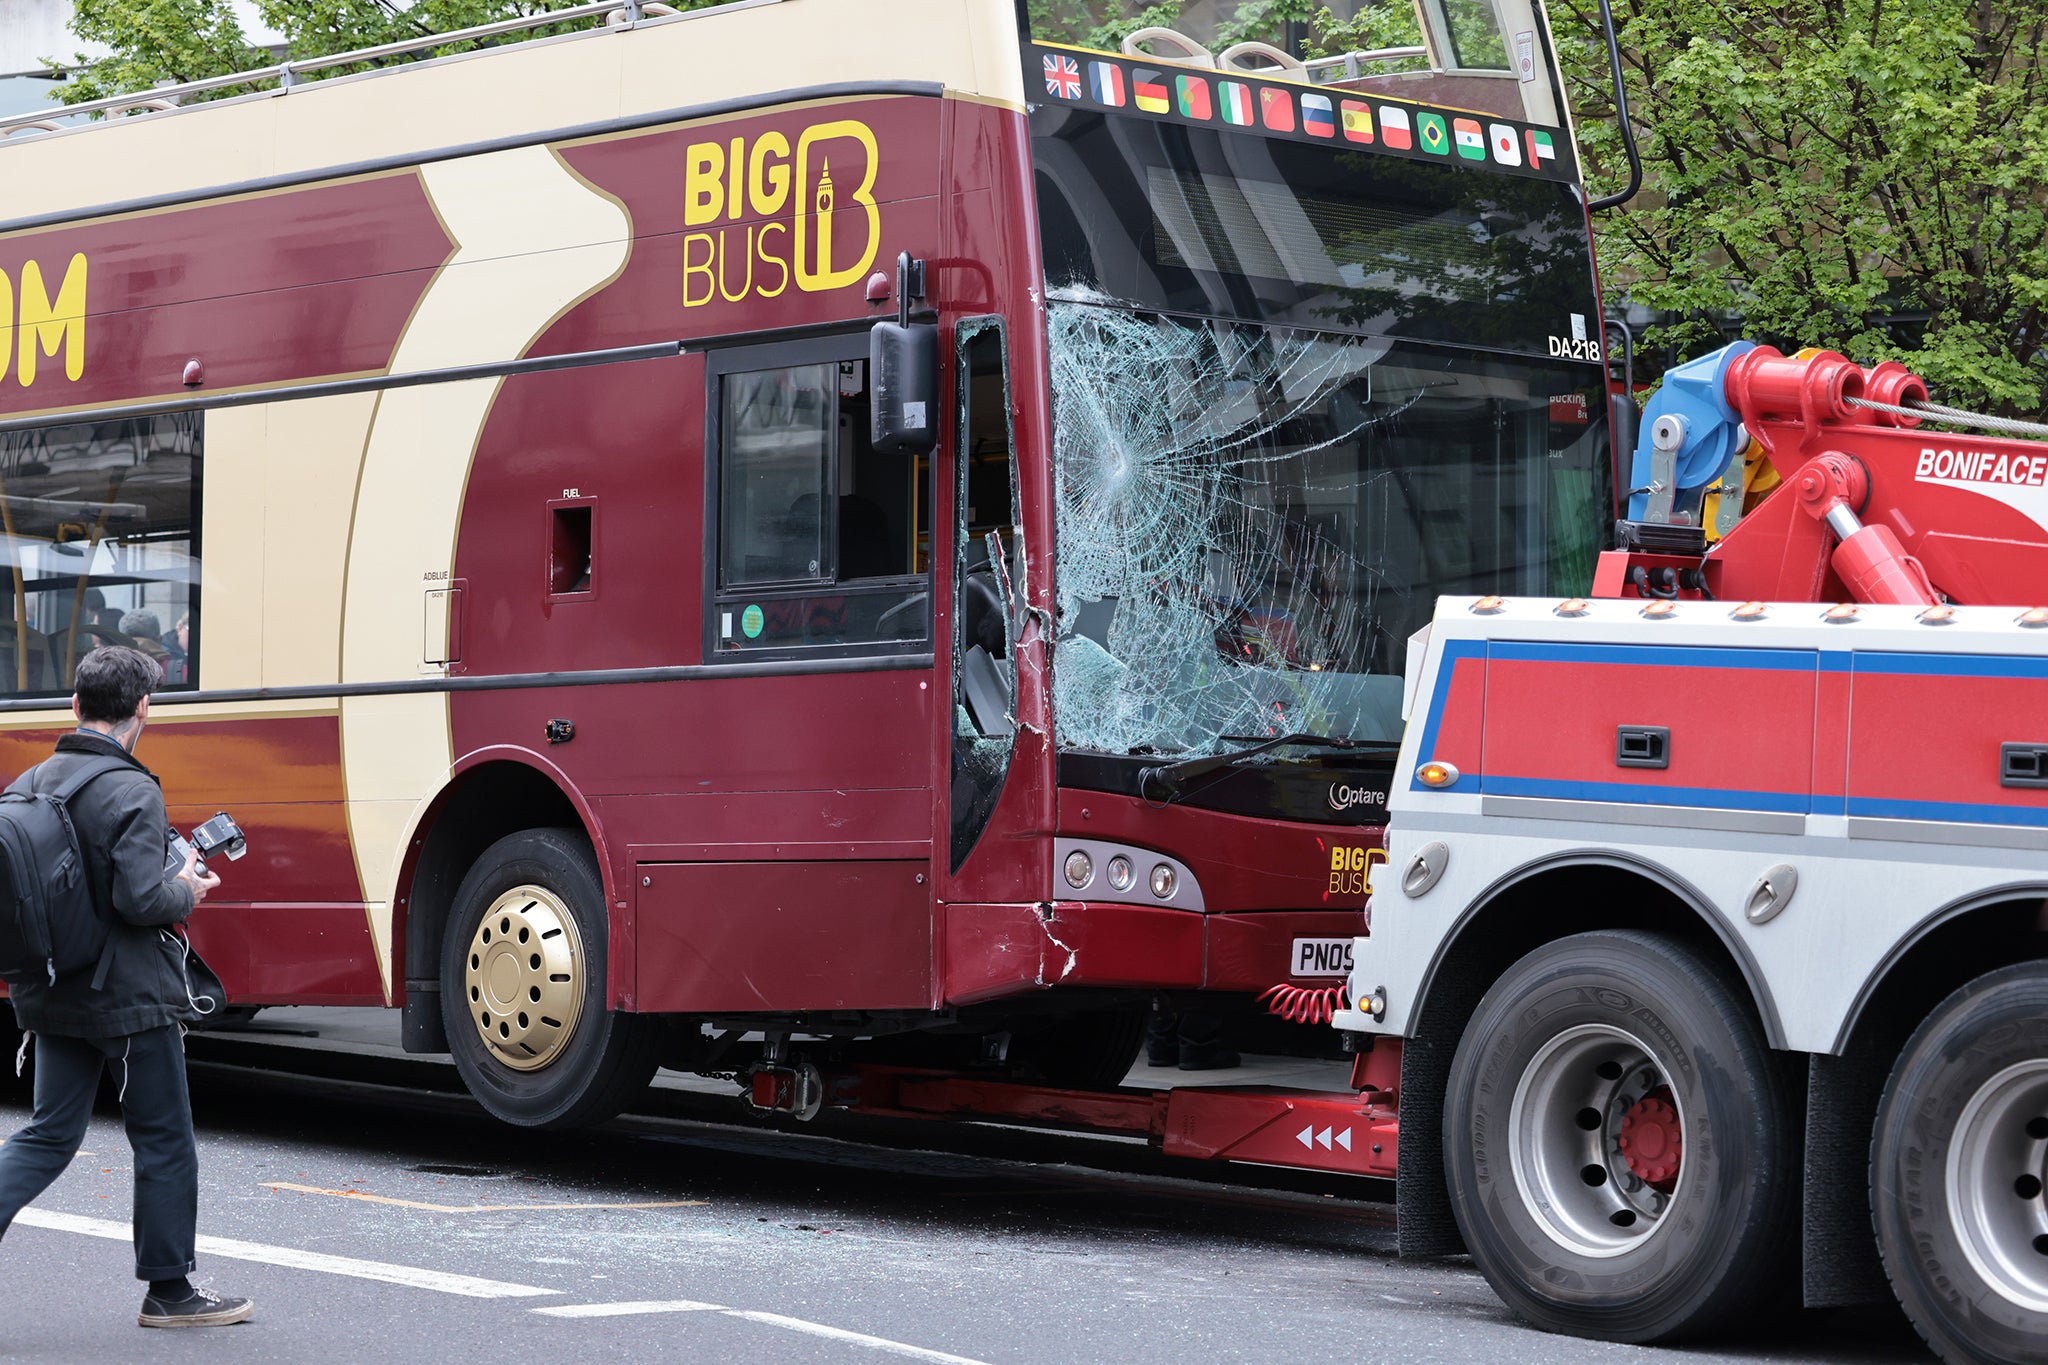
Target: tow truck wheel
523,988
1619,1143
1957,1166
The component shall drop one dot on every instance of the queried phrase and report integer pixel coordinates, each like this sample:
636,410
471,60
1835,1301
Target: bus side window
985,559
102,534
822,540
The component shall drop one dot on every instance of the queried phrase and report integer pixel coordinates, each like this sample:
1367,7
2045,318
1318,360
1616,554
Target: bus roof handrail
1349,62
286,73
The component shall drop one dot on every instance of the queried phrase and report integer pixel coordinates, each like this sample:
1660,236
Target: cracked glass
1252,520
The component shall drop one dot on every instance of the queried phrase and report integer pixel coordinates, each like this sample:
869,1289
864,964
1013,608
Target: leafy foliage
1864,175
159,42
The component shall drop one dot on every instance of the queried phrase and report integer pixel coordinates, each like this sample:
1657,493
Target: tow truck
1712,929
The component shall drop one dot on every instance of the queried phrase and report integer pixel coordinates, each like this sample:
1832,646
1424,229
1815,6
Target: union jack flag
1062,76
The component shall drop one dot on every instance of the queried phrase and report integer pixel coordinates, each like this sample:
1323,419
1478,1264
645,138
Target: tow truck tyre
523,987
1957,1163
1620,1144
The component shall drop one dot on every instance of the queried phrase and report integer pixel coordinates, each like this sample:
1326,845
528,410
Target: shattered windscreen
1253,519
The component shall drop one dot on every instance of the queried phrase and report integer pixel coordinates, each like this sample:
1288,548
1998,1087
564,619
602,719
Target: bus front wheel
1957,1169
523,987
1620,1144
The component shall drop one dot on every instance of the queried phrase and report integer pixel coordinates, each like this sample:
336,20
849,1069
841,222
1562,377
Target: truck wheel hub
1651,1140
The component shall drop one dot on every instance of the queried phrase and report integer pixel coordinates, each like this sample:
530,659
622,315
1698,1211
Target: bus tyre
523,988
1089,1052
1957,1164
1620,1145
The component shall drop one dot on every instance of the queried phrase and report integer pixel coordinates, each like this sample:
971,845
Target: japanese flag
1506,149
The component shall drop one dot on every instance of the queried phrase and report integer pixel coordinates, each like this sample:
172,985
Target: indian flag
1357,120
1236,100
1471,141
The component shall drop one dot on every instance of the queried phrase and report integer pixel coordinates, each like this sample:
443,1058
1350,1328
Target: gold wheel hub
524,977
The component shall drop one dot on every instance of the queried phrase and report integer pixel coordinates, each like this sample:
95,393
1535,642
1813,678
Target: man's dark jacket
121,826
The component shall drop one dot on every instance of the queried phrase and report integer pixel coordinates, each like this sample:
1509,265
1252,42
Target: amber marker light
1840,612
1748,611
1661,610
1572,606
1436,773
2034,616
1487,606
1937,616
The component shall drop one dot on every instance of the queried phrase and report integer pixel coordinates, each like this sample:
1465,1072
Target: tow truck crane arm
1868,507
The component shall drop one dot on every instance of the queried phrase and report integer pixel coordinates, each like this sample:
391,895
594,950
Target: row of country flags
1280,110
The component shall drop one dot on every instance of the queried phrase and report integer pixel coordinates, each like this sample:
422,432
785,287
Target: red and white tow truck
1713,935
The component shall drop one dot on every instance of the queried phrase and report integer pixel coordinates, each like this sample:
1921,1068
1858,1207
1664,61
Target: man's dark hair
112,681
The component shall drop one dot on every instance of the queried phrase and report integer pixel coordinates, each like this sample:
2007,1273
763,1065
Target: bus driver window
823,543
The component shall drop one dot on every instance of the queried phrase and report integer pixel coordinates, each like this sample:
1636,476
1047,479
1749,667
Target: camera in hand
220,835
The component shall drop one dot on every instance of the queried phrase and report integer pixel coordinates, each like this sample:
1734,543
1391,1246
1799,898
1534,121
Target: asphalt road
374,1217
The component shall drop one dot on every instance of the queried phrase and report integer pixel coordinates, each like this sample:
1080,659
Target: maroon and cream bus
818,521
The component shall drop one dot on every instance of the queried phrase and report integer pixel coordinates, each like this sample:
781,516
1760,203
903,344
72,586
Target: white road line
819,1329
816,1329
292,1258
620,1310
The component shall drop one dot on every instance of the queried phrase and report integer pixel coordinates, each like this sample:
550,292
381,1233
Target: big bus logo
42,327
771,215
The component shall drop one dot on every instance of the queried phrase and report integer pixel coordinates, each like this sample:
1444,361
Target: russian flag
1318,118
1106,83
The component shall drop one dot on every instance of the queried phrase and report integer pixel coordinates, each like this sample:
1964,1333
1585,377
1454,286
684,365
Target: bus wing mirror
903,365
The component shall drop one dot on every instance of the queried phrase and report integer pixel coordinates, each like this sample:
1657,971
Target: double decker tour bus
814,521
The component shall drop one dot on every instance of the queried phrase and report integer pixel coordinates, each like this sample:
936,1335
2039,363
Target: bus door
807,887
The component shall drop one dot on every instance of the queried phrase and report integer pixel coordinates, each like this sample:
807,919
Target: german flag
1148,90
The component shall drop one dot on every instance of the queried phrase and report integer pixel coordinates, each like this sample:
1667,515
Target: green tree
159,42
1864,175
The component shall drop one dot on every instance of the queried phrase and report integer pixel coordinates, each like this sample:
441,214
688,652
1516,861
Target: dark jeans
149,1070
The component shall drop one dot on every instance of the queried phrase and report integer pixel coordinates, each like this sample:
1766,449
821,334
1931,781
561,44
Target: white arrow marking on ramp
1344,1139
1307,1137
1324,1138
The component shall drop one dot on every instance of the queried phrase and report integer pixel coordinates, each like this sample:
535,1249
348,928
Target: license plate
1322,957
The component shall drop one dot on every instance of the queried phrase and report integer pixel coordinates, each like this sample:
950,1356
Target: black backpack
48,923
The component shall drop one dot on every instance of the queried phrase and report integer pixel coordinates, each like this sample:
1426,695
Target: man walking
123,1017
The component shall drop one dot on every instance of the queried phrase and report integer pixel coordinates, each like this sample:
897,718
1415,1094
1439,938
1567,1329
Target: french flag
1106,83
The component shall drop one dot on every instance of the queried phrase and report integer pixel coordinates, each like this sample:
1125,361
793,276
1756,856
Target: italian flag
1236,101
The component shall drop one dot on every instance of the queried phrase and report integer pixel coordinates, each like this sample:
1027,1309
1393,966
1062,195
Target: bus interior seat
1263,59
1181,50
988,694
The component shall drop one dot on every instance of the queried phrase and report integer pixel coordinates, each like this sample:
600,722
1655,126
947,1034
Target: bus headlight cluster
1106,870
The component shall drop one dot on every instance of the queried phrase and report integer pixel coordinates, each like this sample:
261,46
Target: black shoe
1208,1059
201,1310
